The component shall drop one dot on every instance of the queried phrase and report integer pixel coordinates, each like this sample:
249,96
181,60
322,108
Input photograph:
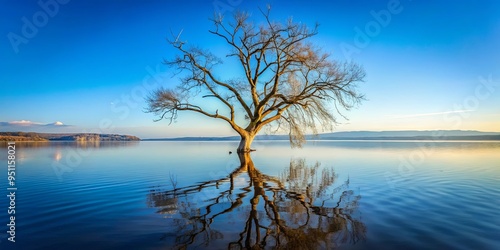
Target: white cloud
24,123
26,126
429,114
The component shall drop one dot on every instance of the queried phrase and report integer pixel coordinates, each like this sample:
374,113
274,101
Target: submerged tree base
245,143
245,151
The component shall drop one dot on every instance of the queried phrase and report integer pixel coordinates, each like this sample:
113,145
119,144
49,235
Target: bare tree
286,80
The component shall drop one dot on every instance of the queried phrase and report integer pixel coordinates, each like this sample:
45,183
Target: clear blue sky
86,63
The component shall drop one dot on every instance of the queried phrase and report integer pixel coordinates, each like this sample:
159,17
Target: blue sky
89,64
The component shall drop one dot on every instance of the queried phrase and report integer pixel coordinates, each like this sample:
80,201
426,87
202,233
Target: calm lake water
328,195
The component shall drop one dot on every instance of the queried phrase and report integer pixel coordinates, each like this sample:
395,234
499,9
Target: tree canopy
286,80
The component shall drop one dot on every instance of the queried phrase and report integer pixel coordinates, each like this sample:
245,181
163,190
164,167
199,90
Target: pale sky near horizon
89,64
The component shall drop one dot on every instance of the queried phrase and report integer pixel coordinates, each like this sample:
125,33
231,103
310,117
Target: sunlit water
330,194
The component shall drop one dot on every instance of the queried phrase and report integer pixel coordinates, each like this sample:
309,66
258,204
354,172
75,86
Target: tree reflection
300,209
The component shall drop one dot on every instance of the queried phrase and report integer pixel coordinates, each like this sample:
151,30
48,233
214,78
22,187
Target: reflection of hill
248,209
76,144
89,137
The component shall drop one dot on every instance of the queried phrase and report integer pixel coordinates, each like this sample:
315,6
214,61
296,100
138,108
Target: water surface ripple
339,194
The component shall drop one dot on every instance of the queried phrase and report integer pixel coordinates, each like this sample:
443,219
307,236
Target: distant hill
82,137
365,135
20,136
